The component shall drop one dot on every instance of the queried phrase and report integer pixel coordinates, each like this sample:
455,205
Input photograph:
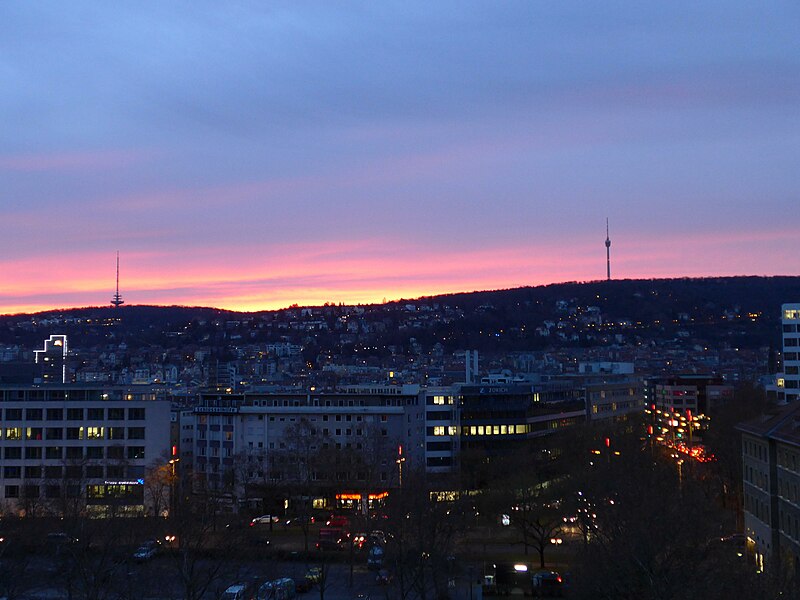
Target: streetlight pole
173,488
400,460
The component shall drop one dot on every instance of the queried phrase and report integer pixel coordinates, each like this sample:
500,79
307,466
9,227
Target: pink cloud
69,161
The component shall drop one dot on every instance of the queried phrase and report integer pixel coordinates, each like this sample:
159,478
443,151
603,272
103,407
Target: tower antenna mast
117,300
608,254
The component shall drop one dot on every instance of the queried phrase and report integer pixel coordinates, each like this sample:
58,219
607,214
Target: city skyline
250,157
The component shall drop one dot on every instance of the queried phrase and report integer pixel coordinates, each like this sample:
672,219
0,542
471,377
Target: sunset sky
253,155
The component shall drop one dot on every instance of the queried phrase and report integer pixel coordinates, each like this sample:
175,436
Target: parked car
238,591
265,520
547,583
314,574
147,551
278,589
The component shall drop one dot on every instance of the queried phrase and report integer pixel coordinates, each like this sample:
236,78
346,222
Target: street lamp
400,460
173,487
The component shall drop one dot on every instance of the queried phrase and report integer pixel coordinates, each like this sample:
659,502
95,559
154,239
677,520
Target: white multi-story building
381,422
80,448
789,383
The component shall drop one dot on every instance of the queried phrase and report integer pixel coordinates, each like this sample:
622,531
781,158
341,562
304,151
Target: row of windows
72,414
787,459
31,492
470,430
55,395
72,471
73,452
71,433
756,477
756,507
788,490
440,400
790,524
754,449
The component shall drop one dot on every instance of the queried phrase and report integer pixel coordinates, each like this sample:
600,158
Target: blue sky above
258,154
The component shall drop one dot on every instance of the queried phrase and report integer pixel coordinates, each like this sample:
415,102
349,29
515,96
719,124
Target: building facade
789,381
80,449
771,485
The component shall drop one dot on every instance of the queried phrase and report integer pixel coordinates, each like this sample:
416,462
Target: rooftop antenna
117,300
608,253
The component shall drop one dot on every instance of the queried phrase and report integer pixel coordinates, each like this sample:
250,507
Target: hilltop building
52,359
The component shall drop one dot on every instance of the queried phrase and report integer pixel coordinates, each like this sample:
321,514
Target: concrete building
52,359
771,485
789,382
76,448
384,422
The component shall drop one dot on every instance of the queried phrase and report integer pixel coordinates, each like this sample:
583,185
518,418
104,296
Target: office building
71,449
789,381
771,485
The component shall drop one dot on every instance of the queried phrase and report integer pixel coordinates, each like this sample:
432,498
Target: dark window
116,452
94,471
31,491
33,452
74,414
135,452
73,472
95,414
52,472
33,414
53,452
54,433
74,452
115,433
116,414
33,472
13,453
10,472
135,433
52,491
12,491
136,414
55,414
74,433
13,414
94,452
115,471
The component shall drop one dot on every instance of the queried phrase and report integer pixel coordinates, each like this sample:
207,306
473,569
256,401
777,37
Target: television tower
117,300
608,253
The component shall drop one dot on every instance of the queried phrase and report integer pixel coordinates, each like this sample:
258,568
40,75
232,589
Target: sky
254,155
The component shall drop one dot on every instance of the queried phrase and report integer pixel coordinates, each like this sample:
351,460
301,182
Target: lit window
94,433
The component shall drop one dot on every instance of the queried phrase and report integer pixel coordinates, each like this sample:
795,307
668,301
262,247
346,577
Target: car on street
547,583
264,520
147,551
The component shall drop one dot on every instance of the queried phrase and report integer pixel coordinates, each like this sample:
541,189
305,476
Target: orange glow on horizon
365,271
